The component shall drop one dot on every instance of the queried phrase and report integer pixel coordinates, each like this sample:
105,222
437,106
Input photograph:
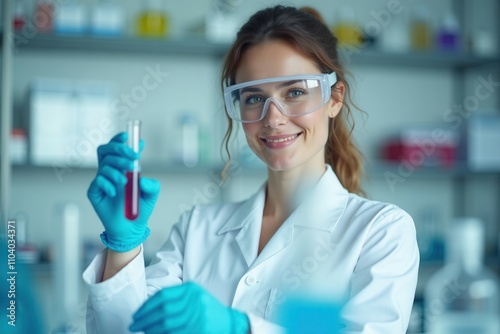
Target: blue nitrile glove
188,308
106,193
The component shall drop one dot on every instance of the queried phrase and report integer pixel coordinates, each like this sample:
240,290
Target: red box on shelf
429,146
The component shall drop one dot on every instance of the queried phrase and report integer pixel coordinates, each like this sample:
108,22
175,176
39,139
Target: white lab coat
363,250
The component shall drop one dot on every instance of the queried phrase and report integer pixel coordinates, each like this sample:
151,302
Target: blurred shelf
192,45
145,167
196,45
490,261
419,59
380,168
152,167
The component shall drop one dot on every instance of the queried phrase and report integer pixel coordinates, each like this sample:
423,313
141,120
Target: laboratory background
425,75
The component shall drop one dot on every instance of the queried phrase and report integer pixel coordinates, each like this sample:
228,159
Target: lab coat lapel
321,210
248,219
324,206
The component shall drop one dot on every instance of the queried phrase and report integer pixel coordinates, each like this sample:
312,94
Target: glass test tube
132,186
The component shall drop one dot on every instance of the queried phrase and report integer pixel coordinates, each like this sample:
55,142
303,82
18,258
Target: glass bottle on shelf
463,296
153,21
346,30
421,38
448,36
19,18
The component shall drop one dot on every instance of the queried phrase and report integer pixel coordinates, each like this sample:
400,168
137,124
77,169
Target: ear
336,100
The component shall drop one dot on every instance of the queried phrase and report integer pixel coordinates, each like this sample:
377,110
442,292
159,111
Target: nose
274,116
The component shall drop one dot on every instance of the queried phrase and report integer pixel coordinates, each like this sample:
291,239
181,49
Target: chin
280,166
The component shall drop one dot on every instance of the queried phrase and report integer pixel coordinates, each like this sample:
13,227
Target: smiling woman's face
285,143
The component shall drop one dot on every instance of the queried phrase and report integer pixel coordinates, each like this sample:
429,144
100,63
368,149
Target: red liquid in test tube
132,186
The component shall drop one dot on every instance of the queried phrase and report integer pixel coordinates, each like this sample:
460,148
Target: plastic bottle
19,19
152,21
448,36
188,153
463,296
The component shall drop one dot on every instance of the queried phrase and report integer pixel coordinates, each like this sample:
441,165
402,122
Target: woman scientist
226,268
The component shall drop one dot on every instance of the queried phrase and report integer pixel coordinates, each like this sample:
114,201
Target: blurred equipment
301,314
152,21
448,35
221,24
107,19
422,146
421,35
18,147
21,312
68,120
19,17
463,296
67,262
480,145
71,18
26,252
188,153
346,30
44,16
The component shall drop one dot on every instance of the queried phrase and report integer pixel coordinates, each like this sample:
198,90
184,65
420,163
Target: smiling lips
279,141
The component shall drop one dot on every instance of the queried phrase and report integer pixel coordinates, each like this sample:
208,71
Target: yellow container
421,38
152,23
348,35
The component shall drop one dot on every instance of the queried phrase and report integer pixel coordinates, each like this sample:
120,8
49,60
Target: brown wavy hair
305,30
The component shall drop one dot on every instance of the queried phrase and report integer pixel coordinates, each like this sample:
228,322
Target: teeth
280,140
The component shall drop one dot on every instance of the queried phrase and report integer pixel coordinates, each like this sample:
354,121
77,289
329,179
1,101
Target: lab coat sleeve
111,303
384,280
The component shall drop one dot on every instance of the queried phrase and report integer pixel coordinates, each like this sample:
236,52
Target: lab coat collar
320,209
325,204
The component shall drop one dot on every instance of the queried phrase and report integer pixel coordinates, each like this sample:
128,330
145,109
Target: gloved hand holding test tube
123,199
132,186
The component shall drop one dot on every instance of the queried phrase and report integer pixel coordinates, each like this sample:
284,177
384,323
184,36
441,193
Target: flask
152,21
463,296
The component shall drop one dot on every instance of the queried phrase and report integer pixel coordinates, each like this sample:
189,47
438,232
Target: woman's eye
295,93
254,99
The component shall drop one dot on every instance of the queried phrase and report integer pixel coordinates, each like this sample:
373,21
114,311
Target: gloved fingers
114,176
154,323
115,148
121,163
187,315
157,313
99,187
150,188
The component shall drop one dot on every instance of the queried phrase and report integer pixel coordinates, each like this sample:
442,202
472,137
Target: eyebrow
255,89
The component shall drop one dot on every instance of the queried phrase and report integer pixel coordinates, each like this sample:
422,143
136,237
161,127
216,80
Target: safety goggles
294,96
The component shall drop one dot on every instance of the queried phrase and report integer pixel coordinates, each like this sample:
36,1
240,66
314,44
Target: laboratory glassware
463,296
132,186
